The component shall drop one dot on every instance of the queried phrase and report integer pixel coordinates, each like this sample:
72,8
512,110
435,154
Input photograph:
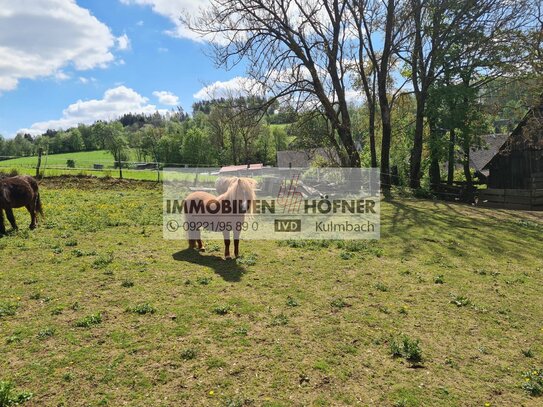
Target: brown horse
16,192
224,213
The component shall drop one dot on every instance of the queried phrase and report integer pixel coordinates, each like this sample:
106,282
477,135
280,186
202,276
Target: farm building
516,172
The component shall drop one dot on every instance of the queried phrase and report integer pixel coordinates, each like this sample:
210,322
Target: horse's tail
39,208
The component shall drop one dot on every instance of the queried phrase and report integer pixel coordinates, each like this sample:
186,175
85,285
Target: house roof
528,135
239,168
491,144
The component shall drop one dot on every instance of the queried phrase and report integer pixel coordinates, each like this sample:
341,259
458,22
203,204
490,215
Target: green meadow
97,309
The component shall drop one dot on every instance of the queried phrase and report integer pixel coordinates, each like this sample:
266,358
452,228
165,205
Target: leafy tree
116,143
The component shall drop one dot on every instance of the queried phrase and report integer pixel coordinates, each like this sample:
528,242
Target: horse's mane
244,185
223,183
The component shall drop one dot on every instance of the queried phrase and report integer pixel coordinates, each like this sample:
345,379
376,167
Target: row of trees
311,53
225,132
236,131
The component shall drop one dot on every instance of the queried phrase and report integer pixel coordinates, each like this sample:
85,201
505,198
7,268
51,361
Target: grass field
97,309
56,164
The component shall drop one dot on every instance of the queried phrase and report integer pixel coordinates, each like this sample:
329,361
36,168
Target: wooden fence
522,199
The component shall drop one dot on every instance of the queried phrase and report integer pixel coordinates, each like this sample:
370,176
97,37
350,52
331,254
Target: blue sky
66,61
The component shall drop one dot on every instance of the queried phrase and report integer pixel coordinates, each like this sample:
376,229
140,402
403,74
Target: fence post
40,152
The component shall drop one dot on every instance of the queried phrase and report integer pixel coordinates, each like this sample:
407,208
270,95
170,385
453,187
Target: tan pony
223,213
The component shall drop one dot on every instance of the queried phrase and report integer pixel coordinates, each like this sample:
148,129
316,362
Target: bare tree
295,50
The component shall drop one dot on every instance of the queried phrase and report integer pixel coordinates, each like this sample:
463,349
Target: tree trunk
373,149
120,164
435,173
416,153
346,138
452,161
385,146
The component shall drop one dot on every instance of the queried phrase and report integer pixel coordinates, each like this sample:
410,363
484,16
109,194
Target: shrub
70,163
406,348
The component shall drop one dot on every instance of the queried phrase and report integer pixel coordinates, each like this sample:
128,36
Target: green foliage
89,321
533,382
189,354
7,309
143,309
221,310
406,348
460,301
8,398
46,333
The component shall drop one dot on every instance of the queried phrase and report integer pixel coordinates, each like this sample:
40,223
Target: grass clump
221,310
89,321
461,301
143,309
406,348
533,382
7,310
189,354
279,320
127,284
9,398
103,261
46,333
339,303
204,280
439,280
247,260
291,302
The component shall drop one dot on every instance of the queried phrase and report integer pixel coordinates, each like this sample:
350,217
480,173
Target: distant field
56,164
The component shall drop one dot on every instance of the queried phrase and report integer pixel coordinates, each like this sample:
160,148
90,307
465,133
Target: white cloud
40,37
173,10
116,102
166,98
238,86
84,80
123,42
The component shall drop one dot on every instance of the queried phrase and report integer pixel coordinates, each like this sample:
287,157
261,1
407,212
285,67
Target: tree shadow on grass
229,270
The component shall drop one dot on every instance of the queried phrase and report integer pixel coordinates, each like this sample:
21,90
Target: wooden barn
515,178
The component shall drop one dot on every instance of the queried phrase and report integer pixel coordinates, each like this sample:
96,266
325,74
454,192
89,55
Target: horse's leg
226,235
31,207
199,241
2,226
192,238
236,243
11,218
